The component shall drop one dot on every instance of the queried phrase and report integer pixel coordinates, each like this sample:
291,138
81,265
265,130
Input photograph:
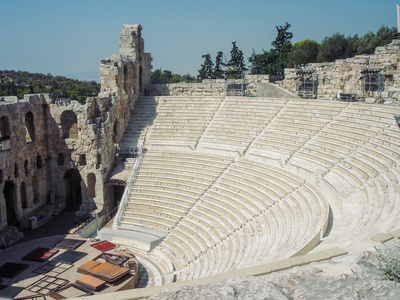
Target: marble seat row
220,215
226,221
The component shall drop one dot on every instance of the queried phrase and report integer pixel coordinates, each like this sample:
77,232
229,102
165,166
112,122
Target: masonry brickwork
57,152
345,74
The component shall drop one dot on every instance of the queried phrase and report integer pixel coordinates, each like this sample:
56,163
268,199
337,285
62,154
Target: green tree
237,60
368,43
219,64
336,47
283,37
206,71
268,62
303,52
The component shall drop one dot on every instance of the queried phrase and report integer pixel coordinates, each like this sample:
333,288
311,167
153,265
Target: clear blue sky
69,37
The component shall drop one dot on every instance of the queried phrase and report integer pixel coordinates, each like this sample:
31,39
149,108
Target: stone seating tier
222,212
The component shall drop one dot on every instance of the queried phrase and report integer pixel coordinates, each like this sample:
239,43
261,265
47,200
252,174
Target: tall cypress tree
219,64
206,71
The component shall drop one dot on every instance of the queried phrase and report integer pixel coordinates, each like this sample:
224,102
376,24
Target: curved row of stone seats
138,123
353,148
297,122
167,185
238,121
181,120
225,222
337,141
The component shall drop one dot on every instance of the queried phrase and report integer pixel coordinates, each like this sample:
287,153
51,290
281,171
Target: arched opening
126,77
117,192
10,199
115,131
26,167
24,201
140,79
4,128
60,159
69,125
73,195
91,181
36,197
29,127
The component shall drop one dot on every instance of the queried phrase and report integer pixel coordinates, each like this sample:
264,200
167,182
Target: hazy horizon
69,38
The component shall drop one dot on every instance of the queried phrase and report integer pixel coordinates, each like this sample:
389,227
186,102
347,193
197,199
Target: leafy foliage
273,61
268,62
337,46
303,52
390,265
166,76
368,43
19,83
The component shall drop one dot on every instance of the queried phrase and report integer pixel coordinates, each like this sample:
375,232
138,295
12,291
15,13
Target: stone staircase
142,117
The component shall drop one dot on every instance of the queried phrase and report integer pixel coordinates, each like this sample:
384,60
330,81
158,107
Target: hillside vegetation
19,83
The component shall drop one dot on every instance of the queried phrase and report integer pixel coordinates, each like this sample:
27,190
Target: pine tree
206,71
237,60
219,64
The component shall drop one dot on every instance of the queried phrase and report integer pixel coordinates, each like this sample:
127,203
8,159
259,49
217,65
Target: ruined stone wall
208,87
24,163
60,152
345,74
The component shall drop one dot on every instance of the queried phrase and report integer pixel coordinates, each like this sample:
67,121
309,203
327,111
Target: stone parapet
345,74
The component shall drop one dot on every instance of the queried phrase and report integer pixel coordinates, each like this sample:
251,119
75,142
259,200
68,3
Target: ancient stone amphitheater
234,182
219,186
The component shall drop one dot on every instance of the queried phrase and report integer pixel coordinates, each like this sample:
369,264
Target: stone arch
69,125
29,127
91,182
4,128
24,200
73,194
10,199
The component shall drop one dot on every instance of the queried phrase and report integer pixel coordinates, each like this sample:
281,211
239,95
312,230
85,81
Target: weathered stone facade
345,74
59,152
208,87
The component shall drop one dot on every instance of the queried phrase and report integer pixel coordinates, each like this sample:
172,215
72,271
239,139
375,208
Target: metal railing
128,187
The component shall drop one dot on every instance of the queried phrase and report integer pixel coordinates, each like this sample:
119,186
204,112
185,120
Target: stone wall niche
73,191
24,201
4,128
91,181
69,125
30,127
10,197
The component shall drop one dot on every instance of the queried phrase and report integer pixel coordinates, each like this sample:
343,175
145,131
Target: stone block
298,260
279,265
334,252
318,256
381,238
257,270
395,233
236,273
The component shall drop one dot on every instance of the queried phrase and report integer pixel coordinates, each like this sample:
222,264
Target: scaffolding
234,83
372,83
306,82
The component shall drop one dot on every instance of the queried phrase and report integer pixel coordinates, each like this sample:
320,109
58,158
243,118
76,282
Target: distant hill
19,83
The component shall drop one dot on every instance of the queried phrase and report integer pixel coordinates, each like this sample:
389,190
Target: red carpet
103,246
